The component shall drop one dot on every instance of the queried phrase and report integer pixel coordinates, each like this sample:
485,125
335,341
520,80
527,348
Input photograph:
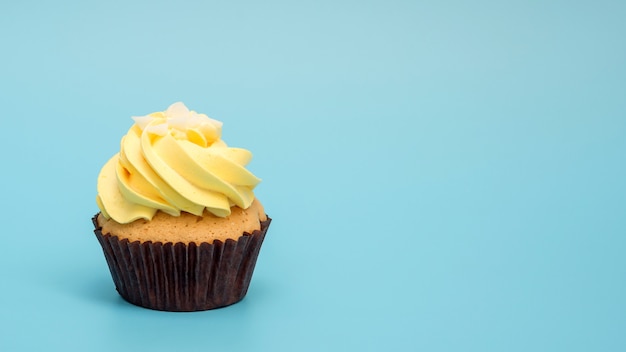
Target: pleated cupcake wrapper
182,277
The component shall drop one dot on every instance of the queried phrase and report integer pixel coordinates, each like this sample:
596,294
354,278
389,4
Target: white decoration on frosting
179,119
142,121
177,110
160,129
180,123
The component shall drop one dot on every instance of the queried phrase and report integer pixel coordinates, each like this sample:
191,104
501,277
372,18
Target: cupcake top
174,161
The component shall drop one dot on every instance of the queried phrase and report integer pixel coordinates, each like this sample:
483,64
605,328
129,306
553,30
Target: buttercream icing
174,161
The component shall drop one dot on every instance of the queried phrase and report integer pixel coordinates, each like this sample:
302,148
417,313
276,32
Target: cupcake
179,224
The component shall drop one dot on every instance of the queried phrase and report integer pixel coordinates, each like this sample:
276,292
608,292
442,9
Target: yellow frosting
174,161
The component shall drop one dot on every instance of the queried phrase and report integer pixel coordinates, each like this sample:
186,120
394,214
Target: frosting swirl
174,161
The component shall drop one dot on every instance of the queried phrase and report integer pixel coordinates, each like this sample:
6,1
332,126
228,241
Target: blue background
443,175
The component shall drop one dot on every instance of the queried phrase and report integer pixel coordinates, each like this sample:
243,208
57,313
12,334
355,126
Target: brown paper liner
182,277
